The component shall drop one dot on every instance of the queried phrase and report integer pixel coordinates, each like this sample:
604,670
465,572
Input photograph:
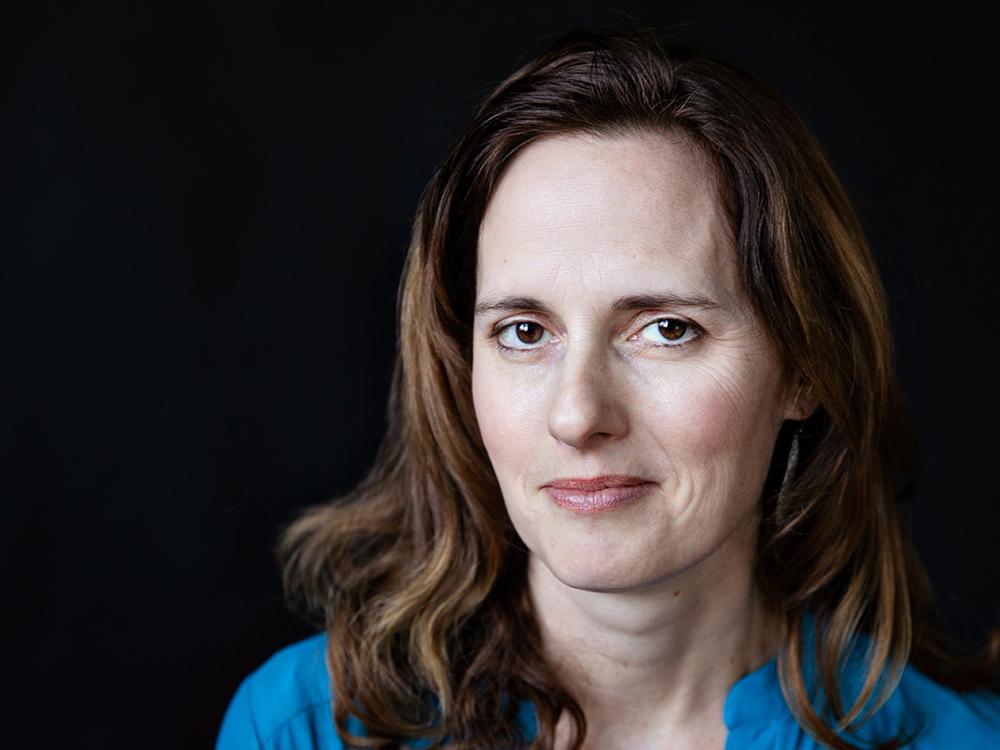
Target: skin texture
648,610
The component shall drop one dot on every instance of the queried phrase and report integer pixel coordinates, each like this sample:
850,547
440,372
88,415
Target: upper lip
596,483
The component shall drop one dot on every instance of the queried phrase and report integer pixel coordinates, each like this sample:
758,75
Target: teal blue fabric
285,705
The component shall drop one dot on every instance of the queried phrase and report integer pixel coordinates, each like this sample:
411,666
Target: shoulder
284,704
936,715
950,719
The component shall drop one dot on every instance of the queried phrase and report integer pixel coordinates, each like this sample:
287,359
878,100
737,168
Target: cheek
504,417
504,412
711,410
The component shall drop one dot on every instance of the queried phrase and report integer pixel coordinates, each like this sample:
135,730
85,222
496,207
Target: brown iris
524,325
672,329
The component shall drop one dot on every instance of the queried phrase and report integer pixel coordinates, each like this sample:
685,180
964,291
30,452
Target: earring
793,458
793,450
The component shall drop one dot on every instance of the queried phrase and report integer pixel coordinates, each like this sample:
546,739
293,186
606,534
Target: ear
801,400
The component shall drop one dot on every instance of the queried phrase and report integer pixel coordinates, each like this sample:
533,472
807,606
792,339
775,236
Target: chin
589,575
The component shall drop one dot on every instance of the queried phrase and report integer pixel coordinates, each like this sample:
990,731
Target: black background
205,213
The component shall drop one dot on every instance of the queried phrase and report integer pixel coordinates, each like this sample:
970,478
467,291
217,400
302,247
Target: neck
671,650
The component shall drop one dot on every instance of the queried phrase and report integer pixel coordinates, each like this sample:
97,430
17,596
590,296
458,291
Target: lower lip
597,501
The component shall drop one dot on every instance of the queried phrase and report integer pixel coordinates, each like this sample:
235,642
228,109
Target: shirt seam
760,722
253,717
289,719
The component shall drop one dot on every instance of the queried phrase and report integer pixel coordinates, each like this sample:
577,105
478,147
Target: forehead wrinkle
549,272
544,208
614,170
685,231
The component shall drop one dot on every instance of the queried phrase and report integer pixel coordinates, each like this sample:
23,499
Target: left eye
672,330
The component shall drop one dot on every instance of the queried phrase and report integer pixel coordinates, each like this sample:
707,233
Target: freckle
677,592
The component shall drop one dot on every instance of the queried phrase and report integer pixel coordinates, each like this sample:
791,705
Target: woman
643,429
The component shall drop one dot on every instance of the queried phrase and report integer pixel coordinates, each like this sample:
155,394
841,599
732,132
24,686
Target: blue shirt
285,704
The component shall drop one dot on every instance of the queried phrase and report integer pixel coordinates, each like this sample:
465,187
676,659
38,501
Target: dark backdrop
205,213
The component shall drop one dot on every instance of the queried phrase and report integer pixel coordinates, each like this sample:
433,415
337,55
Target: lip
596,483
597,494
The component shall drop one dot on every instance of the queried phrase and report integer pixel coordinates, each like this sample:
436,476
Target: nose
587,398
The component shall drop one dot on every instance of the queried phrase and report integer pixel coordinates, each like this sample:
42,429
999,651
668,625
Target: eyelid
698,330
504,325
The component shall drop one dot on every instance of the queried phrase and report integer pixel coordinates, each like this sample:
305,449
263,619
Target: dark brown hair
417,574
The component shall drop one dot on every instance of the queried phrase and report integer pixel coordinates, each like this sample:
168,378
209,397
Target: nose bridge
586,397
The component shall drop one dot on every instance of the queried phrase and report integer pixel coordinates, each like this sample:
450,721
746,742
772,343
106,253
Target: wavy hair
417,574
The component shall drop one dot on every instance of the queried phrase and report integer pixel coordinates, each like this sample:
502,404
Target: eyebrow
622,304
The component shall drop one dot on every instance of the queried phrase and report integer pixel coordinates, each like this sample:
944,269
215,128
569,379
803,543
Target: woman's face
684,392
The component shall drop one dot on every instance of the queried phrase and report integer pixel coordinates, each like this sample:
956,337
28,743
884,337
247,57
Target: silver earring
793,458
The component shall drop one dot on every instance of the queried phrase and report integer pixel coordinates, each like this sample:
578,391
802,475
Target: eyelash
698,331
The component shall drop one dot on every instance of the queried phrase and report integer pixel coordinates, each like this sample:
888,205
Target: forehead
602,212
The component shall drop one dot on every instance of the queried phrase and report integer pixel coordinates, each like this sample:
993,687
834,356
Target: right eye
521,331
